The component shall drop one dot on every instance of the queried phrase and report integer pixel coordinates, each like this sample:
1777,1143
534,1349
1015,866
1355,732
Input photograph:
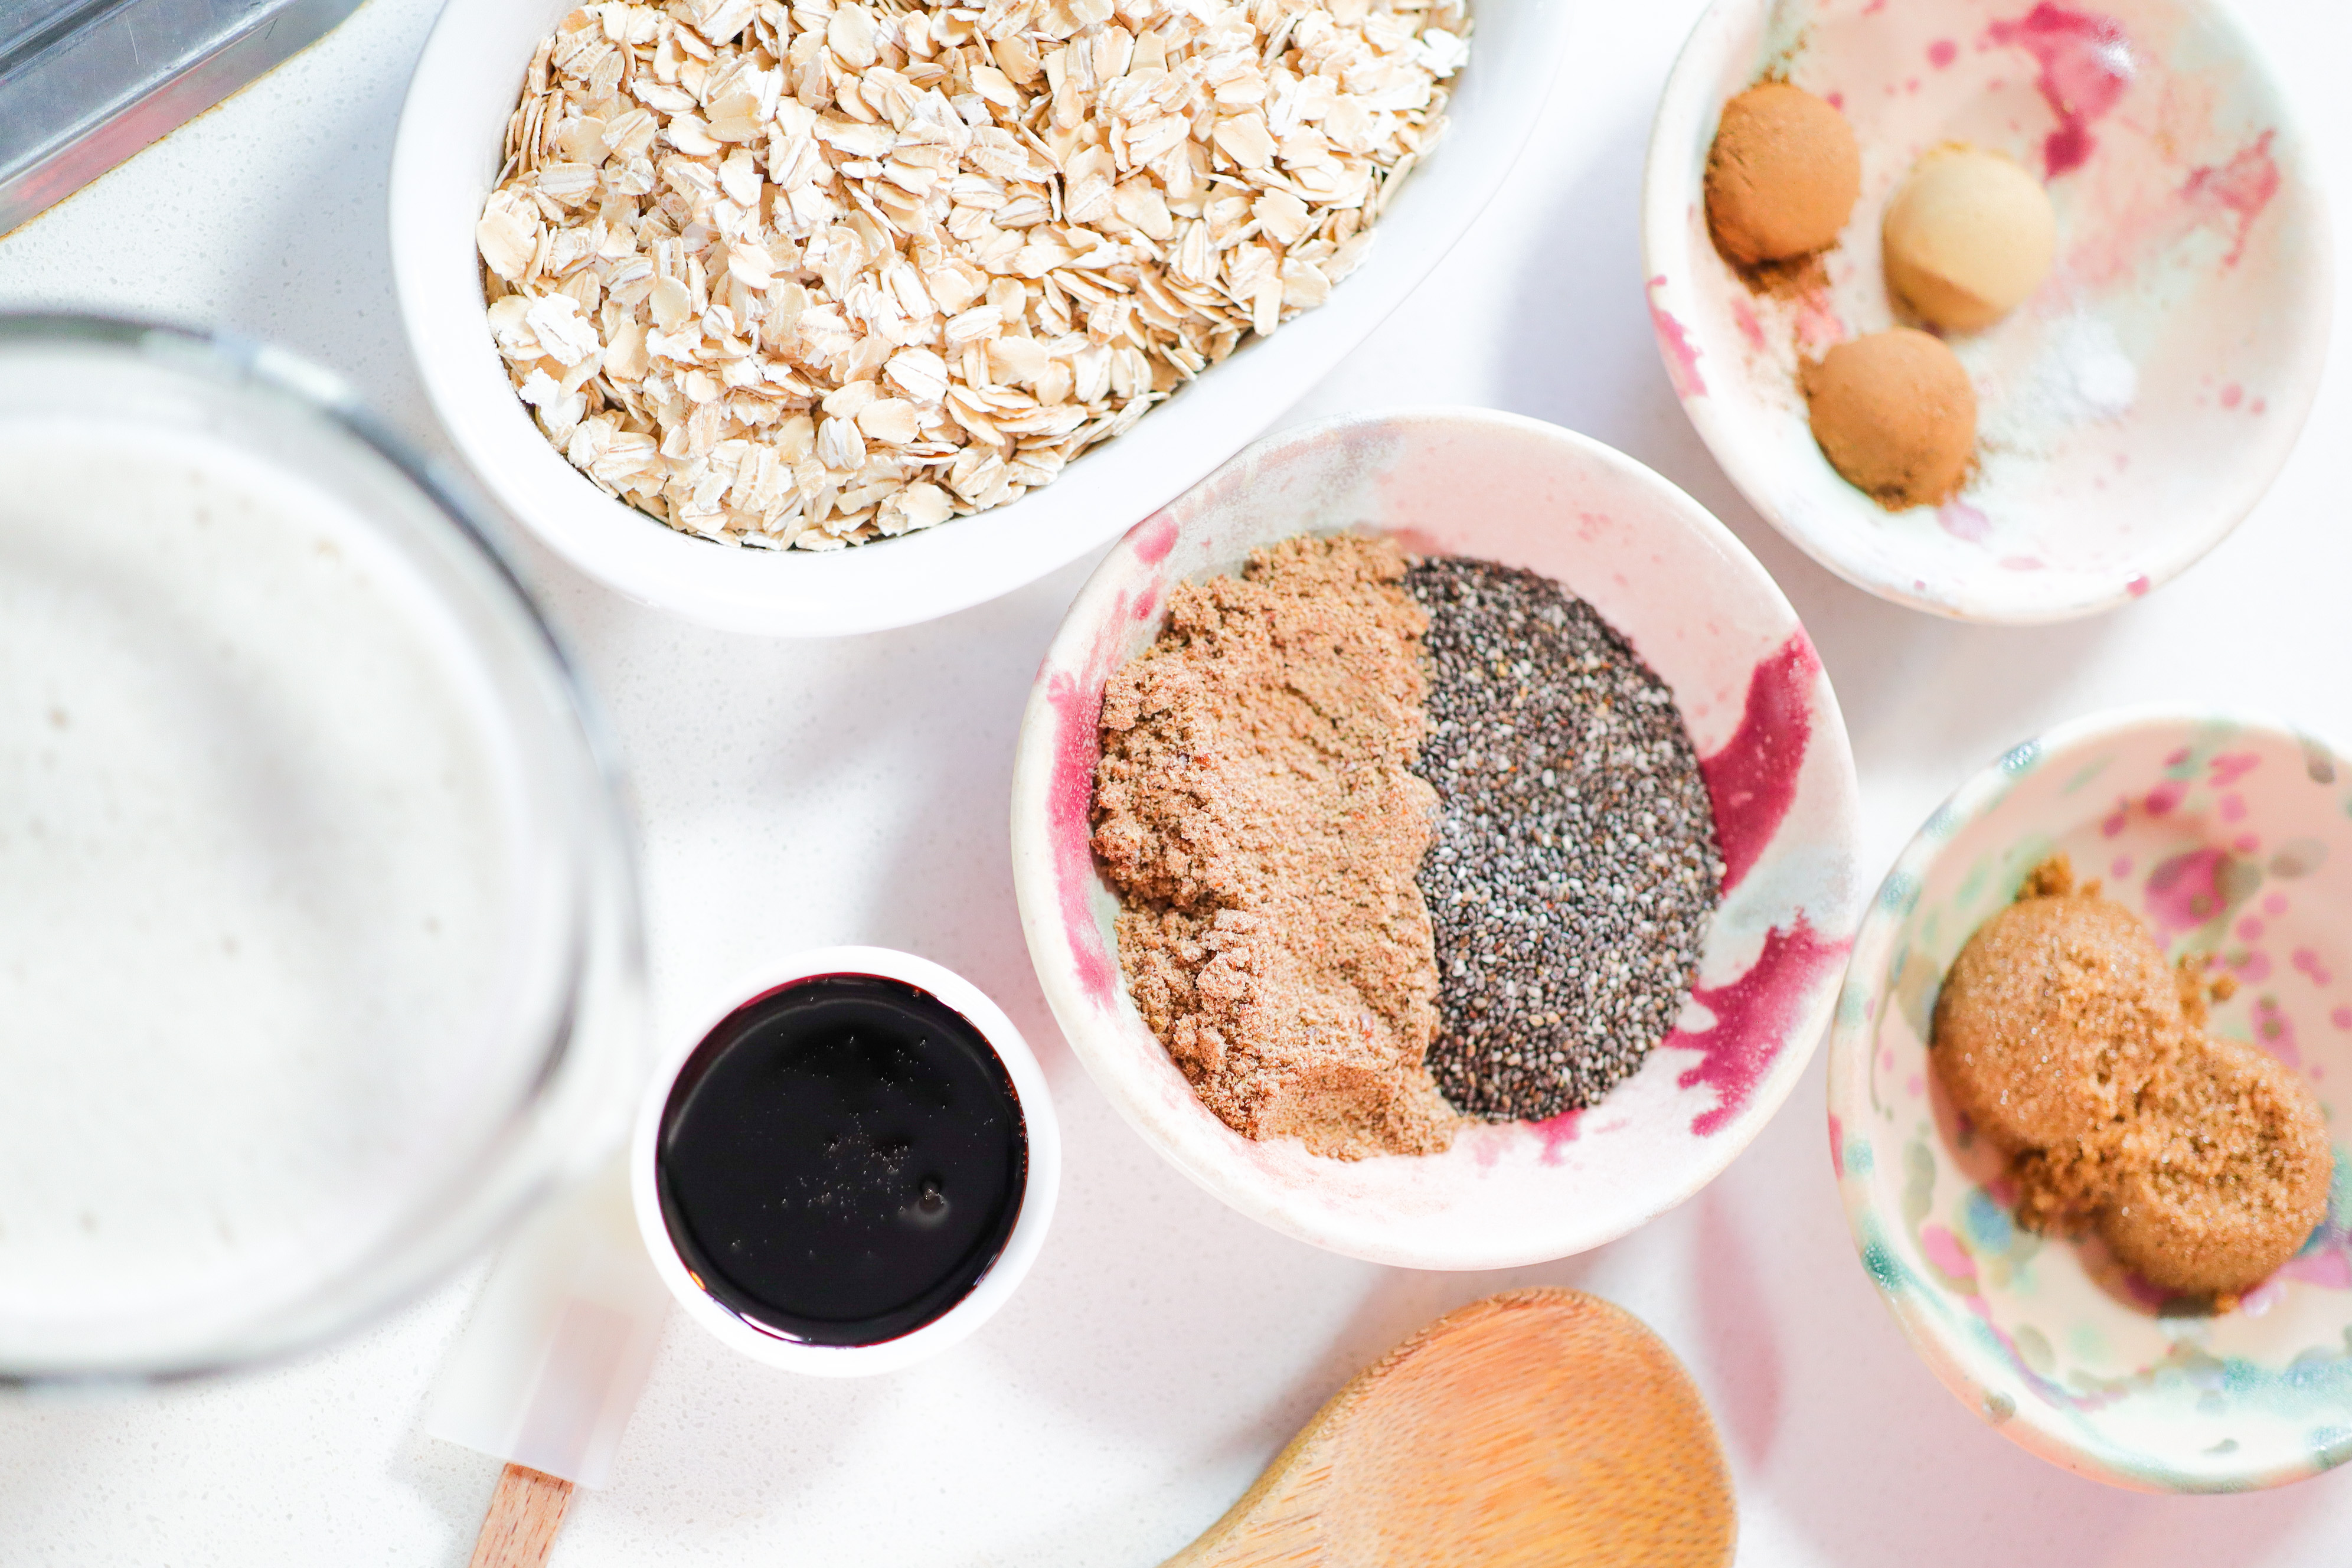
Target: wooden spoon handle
525,1513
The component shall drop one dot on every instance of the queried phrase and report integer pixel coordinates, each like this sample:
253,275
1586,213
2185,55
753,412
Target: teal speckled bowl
2232,836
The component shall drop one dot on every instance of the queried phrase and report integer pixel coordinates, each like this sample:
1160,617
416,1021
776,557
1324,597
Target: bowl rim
817,594
1667,202
1036,886
1041,1186
2026,1422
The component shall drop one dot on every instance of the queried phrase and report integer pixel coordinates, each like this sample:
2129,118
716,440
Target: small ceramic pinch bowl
2232,836
1041,1183
1703,615
446,159
2133,410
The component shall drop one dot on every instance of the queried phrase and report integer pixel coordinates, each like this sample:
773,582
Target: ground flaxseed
1255,808
1575,866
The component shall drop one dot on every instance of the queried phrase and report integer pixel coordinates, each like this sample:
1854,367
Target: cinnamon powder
1254,807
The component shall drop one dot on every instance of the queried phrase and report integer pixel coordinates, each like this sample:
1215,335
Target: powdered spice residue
1254,807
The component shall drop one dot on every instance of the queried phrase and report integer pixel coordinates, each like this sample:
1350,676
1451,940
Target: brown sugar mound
1895,414
2228,1176
2065,1037
1781,176
1254,809
2047,1028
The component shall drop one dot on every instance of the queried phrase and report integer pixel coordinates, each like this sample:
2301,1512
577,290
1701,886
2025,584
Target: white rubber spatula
550,1366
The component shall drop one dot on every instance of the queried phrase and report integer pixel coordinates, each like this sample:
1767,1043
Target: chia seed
1576,868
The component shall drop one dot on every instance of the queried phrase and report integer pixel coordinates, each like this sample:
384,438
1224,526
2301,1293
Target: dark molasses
842,1160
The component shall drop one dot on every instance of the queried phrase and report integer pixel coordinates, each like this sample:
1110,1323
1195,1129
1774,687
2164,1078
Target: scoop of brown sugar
2047,1028
2070,1043
2226,1176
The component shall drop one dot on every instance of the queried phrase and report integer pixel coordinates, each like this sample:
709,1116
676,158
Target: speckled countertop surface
791,794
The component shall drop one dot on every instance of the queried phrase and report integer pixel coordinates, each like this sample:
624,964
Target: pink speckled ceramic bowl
2133,410
2231,834
1705,618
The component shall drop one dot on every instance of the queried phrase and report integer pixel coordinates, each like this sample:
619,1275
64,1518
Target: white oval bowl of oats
719,306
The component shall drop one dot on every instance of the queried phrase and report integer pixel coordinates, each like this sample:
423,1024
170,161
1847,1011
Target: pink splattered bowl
2232,836
1698,607
2132,411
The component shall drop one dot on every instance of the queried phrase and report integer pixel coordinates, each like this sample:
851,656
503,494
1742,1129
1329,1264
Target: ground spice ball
1575,866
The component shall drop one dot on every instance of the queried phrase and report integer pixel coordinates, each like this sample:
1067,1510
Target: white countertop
791,794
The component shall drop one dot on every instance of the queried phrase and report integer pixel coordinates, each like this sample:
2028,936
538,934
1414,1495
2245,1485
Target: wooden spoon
1534,1427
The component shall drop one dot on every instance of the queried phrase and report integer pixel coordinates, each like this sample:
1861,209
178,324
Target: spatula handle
525,1513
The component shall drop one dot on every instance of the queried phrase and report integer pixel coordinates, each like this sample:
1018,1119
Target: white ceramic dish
1041,1186
2232,836
1705,618
445,156
2135,409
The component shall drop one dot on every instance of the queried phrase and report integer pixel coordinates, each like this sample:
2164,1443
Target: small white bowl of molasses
849,1163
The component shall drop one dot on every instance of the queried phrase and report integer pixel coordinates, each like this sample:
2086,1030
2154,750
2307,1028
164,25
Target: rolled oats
817,273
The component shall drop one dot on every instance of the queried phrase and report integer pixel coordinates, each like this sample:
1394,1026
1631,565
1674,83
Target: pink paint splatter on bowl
1556,1132
1944,1250
1962,521
1752,1017
2086,65
2274,1031
1753,778
1751,329
2230,767
1682,354
1155,538
2185,891
2236,193
2328,1268
1078,709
